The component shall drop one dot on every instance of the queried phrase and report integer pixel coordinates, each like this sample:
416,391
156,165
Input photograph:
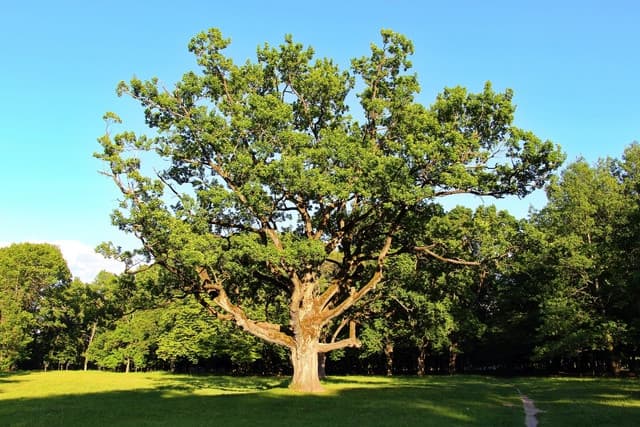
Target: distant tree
627,299
457,298
16,326
130,344
509,304
71,317
60,325
383,322
126,323
102,303
263,175
408,312
30,275
586,212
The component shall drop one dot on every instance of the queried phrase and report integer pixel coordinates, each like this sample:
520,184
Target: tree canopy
267,189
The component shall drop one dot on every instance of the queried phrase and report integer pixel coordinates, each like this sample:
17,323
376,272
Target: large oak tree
267,189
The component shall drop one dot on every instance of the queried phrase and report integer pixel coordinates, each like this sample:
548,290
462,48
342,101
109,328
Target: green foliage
586,305
130,342
15,327
189,333
31,275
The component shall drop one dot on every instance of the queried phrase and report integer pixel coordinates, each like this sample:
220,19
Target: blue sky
572,64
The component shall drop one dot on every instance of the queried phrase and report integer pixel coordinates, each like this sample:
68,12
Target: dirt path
530,411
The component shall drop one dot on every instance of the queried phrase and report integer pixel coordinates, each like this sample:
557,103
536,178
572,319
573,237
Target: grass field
161,399
584,401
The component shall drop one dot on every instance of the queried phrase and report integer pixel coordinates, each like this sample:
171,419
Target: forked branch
267,331
352,341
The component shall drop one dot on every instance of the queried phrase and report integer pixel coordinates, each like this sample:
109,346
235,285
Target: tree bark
322,364
388,355
614,361
308,315
304,358
91,337
422,360
453,357
127,366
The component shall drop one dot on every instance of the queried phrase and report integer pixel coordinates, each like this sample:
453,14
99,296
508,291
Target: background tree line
557,292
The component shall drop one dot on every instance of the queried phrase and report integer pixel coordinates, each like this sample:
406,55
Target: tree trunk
388,355
322,364
614,360
614,363
304,358
633,364
453,356
91,337
127,366
422,361
308,315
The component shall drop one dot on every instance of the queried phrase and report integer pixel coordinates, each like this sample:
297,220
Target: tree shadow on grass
401,405
11,377
5,375
358,401
192,383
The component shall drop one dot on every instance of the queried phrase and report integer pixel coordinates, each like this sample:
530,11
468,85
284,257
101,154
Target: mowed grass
584,401
161,399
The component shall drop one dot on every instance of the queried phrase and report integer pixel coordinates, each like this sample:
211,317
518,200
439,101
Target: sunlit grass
150,399
162,399
585,401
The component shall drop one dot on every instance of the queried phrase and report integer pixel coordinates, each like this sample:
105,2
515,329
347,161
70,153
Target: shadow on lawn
357,401
387,405
193,383
11,377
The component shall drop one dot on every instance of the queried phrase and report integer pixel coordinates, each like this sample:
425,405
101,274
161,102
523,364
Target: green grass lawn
584,401
161,399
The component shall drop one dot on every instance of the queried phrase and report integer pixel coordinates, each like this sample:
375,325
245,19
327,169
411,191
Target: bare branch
428,251
168,184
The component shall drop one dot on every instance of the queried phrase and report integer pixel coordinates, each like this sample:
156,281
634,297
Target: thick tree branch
304,213
325,217
267,331
352,341
273,236
211,310
356,296
326,296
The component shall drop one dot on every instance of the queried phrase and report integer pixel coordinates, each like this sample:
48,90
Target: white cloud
82,259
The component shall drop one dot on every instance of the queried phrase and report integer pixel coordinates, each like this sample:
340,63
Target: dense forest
558,292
